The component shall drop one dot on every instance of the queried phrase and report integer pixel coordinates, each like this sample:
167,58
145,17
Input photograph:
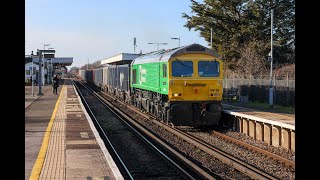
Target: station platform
61,141
285,120
274,128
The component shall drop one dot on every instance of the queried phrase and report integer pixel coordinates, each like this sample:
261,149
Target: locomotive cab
195,89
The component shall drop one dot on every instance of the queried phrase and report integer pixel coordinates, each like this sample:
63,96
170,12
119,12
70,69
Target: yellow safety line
36,170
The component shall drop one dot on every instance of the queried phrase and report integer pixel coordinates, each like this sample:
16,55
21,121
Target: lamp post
44,48
211,37
134,44
177,39
32,79
51,69
158,44
40,73
271,60
271,67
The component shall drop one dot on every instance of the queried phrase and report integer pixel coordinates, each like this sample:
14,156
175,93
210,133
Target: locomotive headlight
176,94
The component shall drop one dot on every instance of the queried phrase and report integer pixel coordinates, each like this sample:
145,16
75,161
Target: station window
30,70
164,70
208,68
27,72
134,76
182,68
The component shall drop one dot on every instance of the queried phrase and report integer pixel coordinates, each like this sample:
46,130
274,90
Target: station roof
122,58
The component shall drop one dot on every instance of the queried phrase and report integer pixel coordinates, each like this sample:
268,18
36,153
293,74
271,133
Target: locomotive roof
165,55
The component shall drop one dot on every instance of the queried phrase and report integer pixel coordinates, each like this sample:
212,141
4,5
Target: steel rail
222,156
286,161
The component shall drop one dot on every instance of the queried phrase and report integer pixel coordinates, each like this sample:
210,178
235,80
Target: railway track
283,160
262,160
235,162
138,157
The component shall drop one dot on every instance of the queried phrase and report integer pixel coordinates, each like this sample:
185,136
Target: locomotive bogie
205,113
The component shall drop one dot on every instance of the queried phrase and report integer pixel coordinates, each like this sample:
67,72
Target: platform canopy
63,61
123,58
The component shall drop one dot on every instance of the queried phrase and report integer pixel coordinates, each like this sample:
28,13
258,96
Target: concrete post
32,76
40,74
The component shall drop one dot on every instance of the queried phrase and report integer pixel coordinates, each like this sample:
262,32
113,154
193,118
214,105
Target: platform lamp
177,39
32,78
51,69
44,47
271,59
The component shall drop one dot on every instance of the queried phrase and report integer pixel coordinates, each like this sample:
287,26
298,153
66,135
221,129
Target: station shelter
50,67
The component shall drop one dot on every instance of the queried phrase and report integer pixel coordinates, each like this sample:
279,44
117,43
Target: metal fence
277,81
257,89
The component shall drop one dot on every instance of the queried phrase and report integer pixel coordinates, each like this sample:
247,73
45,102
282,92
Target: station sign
48,55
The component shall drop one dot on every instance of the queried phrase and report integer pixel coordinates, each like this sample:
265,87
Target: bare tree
74,70
250,62
94,65
285,69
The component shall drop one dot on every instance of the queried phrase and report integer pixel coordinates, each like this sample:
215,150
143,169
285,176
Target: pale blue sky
96,29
